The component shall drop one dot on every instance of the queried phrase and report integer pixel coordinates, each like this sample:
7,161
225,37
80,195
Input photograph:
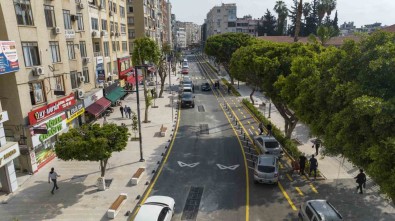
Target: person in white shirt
53,176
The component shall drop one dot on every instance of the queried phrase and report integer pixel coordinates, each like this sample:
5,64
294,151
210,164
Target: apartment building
221,19
181,38
247,25
192,32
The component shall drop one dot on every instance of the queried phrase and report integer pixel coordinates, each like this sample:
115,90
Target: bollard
236,122
249,149
247,144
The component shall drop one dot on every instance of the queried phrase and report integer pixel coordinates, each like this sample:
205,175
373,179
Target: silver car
269,145
156,208
317,210
266,169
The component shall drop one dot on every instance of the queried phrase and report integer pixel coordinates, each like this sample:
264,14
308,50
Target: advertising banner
8,57
51,109
101,76
75,111
54,125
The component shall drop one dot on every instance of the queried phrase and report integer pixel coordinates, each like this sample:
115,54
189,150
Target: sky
361,12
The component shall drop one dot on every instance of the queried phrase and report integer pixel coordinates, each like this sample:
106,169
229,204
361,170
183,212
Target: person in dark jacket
361,180
121,109
269,129
302,162
313,166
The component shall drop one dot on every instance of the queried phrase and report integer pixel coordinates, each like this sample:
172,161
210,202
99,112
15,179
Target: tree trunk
298,21
289,117
226,67
103,165
251,98
145,96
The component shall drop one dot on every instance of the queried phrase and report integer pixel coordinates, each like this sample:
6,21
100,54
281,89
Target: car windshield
271,144
266,169
187,95
186,82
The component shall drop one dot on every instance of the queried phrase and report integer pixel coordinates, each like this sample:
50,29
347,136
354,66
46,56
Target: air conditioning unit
37,71
56,30
103,33
77,1
86,60
111,13
74,17
81,5
95,33
112,33
80,93
81,79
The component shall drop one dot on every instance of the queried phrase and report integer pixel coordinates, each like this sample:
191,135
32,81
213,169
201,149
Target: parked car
269,145
266,169
187,99
205,87
156,208
184,70
318,210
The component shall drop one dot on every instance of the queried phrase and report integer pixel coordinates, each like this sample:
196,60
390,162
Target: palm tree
298,20
306,10
282,11
325,7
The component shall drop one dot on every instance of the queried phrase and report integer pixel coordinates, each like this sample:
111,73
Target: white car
156,208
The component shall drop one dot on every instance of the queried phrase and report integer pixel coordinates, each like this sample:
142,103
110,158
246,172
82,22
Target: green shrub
233,89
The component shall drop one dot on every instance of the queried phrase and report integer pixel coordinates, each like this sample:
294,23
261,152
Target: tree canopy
92,143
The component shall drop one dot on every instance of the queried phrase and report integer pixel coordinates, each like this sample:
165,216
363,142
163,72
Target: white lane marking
182,164
250,131
222,167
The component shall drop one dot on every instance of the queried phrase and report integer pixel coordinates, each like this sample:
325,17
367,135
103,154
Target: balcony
97,54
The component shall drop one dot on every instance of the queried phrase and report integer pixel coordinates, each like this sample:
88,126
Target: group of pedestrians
300,165
126,110
268,128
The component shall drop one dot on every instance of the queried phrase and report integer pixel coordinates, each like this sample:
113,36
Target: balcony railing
97,54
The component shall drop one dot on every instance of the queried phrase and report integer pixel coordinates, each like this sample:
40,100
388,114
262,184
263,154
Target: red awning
132,80
98,107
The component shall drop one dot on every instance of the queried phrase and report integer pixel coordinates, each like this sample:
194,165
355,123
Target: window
103,4
218,10
70,49
124,46
116,27
96,47
123,28
106,49
118,49
109,67
113,46
80,22
130,9
110,5
130,20
114,7
49,16
55,52
111,26
85,73
67,19
122,11
23,11
37,94
30,53
131,33
59,85
104,25
95,25
74,79
309,213
83,49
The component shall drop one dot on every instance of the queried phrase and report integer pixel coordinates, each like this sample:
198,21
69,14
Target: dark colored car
205,87
187,100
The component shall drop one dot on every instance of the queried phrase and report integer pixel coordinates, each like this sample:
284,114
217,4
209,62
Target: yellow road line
289,177
281,165
248,122
252,127
313,188
287,197
256,132
299,191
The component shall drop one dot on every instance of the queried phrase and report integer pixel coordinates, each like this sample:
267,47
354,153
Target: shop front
127,73
114,93
95,105
8,152
47,123
75,115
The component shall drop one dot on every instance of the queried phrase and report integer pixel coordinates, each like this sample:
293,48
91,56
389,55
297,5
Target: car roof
267,159
325,210
266,138
161,199
148,213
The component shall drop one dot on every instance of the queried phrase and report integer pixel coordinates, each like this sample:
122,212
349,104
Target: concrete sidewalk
78,198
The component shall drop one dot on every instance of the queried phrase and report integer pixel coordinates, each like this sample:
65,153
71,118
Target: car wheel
255,182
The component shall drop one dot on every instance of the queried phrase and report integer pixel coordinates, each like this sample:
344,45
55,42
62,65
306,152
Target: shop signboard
54,125
74,112
58,106
101,76
9,154
92,98
8,57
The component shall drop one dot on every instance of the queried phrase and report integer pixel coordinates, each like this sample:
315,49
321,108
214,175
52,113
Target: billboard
8,57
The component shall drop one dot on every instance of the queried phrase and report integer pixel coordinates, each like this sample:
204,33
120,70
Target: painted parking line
313,188
248,122
287,197
250,131
253,127
299,191
256,132
289,177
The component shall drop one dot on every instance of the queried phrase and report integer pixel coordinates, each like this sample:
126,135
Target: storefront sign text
9,154
75,112
54,126
51,109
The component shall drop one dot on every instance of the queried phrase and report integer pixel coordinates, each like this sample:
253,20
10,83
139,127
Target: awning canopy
132,79
115,94
98,107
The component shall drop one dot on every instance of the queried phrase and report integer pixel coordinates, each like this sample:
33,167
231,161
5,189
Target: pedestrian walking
313,166
53,176
361,180
152,93
228,89
317,144
125,110
260,128
130,112
302,162
295,166
121,109
269,129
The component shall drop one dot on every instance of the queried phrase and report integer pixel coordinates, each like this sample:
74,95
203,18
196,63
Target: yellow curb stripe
313,188
289,177
287,197
299,191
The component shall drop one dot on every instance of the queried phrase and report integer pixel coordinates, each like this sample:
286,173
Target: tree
92,143
282,13
298,21
222,46
268,26
335,26
163,67
134,125
145,50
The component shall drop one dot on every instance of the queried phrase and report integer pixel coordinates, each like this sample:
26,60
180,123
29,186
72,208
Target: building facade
221,19
247,25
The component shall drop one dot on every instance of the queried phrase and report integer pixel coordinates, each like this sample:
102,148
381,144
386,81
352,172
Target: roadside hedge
233,89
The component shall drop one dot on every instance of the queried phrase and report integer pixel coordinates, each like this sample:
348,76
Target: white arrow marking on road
182,164
222,167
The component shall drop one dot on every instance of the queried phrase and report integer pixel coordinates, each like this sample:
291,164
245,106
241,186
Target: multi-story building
174,31
221,19
66,52
247,25
181,38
